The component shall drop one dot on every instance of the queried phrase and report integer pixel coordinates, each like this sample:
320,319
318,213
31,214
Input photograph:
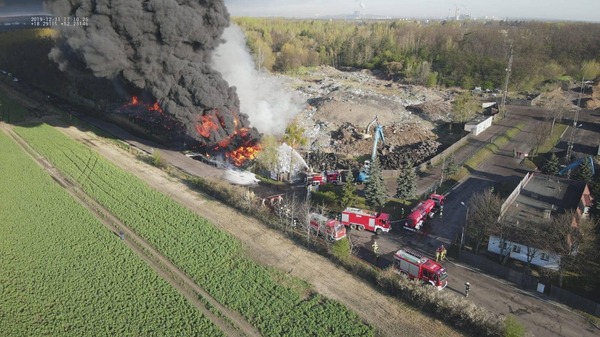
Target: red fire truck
425,209
315,179
361,219
331,229
333,177
417,266
329,177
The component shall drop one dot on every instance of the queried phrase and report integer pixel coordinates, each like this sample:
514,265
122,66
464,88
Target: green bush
513,328
327,198
341,249
157,159
455,310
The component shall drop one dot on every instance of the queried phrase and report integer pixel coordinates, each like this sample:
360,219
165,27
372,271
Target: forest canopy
445,53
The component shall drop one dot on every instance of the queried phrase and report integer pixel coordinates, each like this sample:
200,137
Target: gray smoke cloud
163,47
264,98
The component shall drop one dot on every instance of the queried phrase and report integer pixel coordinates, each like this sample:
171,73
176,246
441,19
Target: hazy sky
582,10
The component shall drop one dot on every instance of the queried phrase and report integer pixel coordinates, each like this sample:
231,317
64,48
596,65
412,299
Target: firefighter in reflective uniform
467,287
376,249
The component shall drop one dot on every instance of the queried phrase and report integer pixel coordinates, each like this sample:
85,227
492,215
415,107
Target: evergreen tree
583,172
348,195
375,190
451,166
551,166
407,182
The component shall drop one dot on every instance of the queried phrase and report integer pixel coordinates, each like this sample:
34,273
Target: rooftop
544,196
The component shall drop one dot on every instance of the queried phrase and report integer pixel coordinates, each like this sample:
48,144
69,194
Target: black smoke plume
162,47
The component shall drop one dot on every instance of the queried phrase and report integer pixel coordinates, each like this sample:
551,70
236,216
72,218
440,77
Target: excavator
576,164
363,175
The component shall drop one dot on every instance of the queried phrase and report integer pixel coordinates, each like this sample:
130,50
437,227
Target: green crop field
62,273
210,256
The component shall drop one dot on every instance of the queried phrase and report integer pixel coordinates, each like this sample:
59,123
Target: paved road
541,317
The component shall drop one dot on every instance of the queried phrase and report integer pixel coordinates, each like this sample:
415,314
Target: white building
541,258
479,124
537,199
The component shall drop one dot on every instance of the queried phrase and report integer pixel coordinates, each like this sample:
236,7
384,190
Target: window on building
516,249
545,257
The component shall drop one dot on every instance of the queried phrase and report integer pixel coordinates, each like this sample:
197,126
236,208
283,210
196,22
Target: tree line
446,53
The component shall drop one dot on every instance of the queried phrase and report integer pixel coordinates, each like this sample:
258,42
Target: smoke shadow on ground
516,170
482,174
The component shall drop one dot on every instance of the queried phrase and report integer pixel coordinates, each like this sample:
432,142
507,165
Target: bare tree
573,239
484,211
540,133
531,234
556,102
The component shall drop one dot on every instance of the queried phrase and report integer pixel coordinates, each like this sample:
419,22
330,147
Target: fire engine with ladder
416,266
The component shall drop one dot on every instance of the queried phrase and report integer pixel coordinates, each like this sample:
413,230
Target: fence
444,154
490,267
529,282
515,193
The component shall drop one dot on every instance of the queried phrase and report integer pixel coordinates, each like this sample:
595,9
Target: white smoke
264,98
283,161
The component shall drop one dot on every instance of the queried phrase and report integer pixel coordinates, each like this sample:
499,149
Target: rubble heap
342,104
394,156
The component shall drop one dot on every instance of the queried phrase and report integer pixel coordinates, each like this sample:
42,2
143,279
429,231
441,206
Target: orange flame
135,101
223,143
242,154
155,107
207,125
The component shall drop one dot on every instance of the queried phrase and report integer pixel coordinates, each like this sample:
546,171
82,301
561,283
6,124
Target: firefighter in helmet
376,249
467,287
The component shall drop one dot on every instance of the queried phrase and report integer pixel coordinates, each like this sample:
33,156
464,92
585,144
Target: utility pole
572,136
508,70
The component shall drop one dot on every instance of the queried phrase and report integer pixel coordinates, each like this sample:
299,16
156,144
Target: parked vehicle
416,266
360,219
425,209
325,177
331,229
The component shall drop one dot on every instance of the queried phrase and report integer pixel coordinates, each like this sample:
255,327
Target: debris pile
321,161
592,102
342,104
394,156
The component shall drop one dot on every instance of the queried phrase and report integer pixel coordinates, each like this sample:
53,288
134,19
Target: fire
223,143
135,101
207,125
239,156
211,122
155,107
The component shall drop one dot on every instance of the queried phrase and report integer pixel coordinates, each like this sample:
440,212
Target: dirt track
159,263
268,247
